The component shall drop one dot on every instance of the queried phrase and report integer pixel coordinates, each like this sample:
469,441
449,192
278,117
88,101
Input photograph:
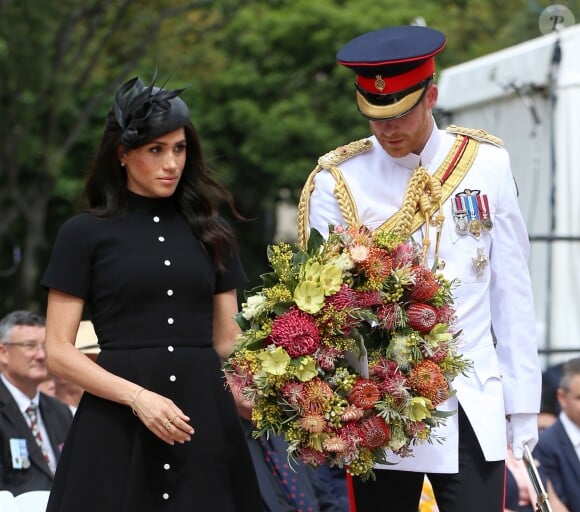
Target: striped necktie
32,413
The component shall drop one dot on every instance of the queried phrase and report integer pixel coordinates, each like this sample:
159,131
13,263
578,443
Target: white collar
22,400
571,429
412,161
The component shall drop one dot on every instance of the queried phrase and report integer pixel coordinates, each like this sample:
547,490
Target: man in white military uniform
481,241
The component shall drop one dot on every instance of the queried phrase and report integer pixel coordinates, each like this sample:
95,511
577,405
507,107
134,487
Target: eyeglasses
28,346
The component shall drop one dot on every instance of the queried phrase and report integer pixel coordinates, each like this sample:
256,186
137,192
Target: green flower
309,297
311,271
418,408
274,361
440,333
330,279
306,368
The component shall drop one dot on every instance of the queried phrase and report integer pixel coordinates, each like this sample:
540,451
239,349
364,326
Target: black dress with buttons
149,287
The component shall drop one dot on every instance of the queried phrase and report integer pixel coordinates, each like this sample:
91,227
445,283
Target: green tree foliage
266,95
62,61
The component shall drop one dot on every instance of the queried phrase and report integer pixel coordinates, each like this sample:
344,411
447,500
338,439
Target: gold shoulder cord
423,197
330,161
475,133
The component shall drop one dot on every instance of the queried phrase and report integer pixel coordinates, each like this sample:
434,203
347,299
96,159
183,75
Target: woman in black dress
156,429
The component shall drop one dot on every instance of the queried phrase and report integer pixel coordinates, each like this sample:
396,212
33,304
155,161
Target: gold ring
167,425
173,419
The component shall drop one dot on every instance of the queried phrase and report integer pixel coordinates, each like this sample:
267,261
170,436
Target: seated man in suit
33,426
299,488
558,450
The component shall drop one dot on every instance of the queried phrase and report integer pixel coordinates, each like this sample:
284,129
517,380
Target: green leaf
314,242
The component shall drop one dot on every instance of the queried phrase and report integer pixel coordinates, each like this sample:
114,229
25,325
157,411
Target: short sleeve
69,267
233,275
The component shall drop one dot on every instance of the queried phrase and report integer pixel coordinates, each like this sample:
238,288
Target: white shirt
572,430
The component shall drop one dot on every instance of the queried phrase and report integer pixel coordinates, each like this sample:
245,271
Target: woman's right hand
162,417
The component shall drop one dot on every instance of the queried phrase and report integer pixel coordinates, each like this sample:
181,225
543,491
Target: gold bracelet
134,400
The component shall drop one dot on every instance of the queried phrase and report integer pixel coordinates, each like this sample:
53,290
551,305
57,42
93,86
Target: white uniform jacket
506,379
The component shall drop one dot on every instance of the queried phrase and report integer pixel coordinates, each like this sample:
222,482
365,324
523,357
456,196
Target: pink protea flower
311,456
296,332
374,432
292,391
368,299
326,357
396,387
446,314
384,368
359,252
390,316
416,428
403,255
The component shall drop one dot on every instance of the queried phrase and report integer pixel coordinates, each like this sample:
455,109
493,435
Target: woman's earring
122,164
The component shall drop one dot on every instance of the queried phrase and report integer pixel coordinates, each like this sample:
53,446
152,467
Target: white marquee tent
529,95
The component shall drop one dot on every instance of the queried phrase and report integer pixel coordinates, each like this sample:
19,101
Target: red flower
344,298
296,332
425,286
422,317
374,432
364,393
369,299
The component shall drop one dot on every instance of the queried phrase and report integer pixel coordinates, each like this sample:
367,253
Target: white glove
522,429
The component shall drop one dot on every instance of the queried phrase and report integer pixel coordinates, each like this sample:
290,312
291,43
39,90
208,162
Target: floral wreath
347,349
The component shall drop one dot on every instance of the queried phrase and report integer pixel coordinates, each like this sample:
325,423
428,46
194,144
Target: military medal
460,216
473,215
479,263
483,205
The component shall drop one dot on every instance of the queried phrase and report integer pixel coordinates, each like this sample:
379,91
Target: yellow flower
309,297
418,408
274,361
330,279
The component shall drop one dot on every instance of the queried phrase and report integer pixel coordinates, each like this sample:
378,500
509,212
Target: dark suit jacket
57,418
312,482
560,464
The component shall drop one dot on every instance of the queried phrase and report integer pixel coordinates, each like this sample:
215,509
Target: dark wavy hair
198,196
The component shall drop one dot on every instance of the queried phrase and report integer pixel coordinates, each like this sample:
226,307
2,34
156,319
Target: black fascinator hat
146,112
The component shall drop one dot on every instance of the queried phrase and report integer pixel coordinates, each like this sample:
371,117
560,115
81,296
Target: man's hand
522,429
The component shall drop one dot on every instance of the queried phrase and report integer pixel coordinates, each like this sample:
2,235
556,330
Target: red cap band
392,84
